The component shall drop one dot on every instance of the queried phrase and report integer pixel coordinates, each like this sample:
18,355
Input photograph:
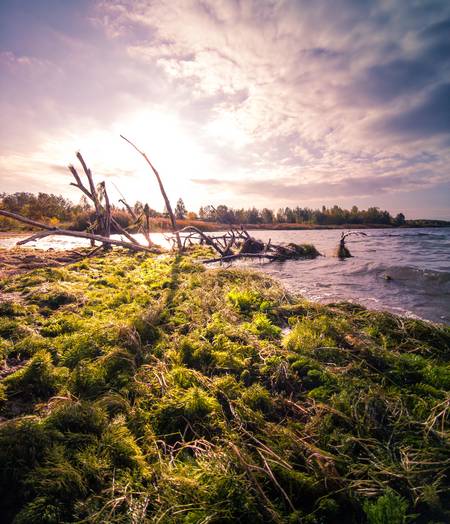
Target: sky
265,103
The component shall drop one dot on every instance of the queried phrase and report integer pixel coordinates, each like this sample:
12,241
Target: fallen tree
49,231
99,230
234,244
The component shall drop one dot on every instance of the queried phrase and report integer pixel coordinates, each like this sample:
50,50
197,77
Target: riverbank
405,271
148,388
158,225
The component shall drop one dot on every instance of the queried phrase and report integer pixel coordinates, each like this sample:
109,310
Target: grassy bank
148,389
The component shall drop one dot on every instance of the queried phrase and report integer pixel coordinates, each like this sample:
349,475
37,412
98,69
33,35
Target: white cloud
266,90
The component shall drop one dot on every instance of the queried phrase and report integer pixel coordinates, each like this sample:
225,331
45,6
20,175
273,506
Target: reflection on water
416,260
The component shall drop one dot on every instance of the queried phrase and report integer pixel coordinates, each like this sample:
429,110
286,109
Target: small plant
262,325
244,300
390,508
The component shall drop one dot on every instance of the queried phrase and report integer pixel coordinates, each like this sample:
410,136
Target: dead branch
103,219
83,234
50,230
163,193
25,220
123,231
230,258
245,246
139,221
129,209
207,239
342,250
107,209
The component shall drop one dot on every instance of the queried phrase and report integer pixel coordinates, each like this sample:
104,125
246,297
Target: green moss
13,329
390,508
244,300
38,379
121,447
9,308
58,325
88,380
258,398
262,326
77,417
311,333
53,299
174,413
165,392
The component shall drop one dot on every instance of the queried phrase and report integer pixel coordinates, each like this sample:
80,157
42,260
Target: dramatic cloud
427,118
269,102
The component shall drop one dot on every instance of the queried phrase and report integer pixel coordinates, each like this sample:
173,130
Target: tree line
300,215
59,210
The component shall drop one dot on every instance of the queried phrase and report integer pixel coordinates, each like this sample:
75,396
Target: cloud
382,83
273,91
428,118
287,190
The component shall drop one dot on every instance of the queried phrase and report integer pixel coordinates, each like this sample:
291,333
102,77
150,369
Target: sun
175,149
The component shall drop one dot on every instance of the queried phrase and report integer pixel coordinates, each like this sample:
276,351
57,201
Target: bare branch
82,234
25,220
50,230
163,193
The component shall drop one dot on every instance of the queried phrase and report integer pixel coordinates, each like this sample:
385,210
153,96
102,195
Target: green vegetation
58,211
149,389
334,215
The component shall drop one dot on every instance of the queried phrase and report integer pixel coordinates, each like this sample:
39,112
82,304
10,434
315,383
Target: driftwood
142,221
203,238
49,231
104,218
83,234
342,250
163,193
237,243
104,223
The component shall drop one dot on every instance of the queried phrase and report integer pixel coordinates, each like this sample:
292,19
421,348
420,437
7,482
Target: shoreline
218,227
162,225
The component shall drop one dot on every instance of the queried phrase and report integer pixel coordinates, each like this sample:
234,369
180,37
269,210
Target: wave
413,274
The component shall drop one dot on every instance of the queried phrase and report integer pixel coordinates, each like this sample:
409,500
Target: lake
405,271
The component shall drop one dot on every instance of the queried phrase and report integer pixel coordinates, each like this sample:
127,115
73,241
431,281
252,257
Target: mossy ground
152,390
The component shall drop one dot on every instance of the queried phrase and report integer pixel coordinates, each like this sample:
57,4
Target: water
416,260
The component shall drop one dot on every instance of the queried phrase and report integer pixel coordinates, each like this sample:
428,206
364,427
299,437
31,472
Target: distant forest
57,210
